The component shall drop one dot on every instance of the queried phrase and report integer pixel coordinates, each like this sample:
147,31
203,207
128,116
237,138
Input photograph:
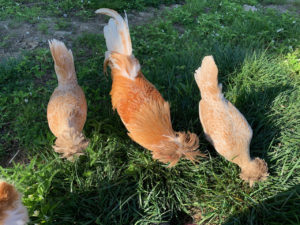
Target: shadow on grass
104,204
284,208
256,106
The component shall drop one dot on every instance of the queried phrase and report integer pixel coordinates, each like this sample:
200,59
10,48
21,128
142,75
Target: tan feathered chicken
224,126
67,107
12,211
144,112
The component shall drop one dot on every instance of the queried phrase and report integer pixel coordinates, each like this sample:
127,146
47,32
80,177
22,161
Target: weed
62,25
43,27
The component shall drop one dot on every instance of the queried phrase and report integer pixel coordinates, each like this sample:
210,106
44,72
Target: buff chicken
67,108
142,109
224,126
12,211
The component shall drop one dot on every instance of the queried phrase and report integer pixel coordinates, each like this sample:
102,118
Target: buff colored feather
12,211
224,126
144,112
67,108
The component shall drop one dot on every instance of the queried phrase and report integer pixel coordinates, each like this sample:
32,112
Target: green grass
62,24
30,10
117,181
43,27
276,2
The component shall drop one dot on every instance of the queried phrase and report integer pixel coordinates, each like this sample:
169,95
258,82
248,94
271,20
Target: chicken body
224,126
67,108
12,211
144,112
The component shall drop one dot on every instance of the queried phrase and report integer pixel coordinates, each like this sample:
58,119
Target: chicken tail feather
63,61
119,48
71,143
256,171
116,33
206,77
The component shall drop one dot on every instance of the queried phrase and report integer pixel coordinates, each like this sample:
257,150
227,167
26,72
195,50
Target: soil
16,37
288,6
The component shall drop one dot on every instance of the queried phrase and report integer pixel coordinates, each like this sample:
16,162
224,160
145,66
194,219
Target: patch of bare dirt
18,155
289,6
16,37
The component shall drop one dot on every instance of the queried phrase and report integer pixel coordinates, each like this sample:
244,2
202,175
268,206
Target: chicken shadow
107,202
258,116
283,208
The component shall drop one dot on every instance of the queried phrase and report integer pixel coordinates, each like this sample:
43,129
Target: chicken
12,211
142,109
224,126
67,108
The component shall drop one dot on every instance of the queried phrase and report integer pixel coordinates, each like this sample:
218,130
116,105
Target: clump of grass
43,27
62,24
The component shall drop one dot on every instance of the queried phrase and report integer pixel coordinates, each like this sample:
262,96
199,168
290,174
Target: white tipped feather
117,38
116,33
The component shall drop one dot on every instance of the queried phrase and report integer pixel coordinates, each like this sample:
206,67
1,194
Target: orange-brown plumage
224,126
67,108
141,107
12,210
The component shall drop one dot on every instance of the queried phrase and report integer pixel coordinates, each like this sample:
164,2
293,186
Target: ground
117,181
17,36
